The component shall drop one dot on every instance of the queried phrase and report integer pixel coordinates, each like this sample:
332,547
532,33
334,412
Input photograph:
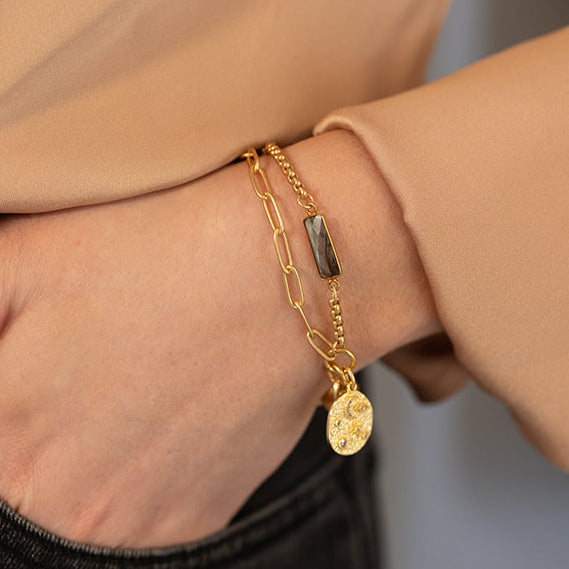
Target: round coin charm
350,421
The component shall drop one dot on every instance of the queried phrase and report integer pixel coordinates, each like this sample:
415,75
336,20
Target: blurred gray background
461,489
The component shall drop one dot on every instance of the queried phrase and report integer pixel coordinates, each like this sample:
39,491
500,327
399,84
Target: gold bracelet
350,414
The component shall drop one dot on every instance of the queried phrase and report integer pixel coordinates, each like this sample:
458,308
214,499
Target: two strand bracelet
350,414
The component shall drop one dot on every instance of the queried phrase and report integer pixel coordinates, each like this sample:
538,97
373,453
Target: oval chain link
269,204
280,235
292,271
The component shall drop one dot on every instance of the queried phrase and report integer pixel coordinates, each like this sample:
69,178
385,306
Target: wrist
386,298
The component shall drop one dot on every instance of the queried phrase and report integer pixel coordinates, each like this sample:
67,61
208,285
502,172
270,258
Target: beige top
106,99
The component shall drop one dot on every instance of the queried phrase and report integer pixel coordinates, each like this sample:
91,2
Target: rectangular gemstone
322,247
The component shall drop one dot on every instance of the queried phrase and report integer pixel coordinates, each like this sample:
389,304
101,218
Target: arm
153,374
478,164
50,417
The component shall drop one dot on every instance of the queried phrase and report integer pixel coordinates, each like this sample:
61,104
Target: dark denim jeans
316,511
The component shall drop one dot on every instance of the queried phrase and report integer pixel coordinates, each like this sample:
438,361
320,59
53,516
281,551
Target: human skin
152,371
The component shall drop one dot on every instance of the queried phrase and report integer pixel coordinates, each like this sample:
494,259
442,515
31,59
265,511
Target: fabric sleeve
479,164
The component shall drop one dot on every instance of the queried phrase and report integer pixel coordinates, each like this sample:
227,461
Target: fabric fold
478,164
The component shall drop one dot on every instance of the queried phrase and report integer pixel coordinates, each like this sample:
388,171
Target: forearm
132,324
385,295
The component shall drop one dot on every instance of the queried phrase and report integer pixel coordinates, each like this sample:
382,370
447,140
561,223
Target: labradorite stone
326,261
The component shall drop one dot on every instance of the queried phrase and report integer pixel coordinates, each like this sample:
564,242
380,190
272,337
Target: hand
152,372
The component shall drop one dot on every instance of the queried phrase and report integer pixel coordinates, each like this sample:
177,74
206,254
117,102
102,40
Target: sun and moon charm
350,421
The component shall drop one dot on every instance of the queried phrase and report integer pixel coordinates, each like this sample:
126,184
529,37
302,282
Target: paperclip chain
328,350
306,201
